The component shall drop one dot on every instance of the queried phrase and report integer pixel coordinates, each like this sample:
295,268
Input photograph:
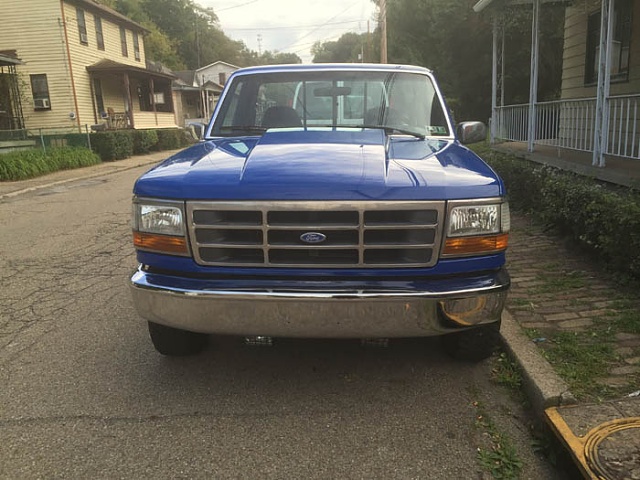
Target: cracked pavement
85,395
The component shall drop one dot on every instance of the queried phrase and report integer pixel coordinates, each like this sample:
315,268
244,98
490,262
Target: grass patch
507,373
624,316
581,358
557,283
21,165
499,458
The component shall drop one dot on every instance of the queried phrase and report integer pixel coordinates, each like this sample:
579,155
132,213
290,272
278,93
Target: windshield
398,102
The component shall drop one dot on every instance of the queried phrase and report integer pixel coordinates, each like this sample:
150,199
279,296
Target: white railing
570,124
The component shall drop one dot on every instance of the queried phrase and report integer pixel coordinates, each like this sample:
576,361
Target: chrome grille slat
358,234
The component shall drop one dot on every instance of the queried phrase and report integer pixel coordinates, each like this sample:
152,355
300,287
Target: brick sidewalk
556,290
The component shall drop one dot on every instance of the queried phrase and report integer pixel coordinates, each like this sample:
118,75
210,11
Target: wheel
474,344
175,342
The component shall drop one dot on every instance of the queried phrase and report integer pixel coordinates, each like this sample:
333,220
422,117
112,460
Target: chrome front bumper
321,309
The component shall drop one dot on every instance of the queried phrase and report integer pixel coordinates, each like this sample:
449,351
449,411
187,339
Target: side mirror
471,132
197,129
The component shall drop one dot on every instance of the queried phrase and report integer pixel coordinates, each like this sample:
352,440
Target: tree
454,41
347,49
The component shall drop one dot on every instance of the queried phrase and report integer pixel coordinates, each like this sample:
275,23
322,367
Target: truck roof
299,67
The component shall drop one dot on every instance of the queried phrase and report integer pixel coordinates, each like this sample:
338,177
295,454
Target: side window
136,46
82,27
99,36
40,92
123,42
230,114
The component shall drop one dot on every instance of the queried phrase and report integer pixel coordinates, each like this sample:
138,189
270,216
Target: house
194,101
83,64
217,72
200,89
598,111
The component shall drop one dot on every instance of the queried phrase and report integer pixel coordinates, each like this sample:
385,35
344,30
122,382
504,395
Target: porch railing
570,124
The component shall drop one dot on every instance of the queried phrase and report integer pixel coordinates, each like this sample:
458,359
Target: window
222,77
123,42
40,92
620,43
136,46
161,97
99,37
82,27
97,88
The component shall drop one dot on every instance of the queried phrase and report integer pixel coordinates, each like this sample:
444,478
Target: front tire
474,344
174,342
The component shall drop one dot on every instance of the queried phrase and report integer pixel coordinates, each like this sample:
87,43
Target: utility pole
260,44
383,31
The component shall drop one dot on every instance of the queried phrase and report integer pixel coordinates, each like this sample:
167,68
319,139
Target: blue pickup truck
325,201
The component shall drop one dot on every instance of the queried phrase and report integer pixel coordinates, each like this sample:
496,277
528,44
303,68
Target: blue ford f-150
327,201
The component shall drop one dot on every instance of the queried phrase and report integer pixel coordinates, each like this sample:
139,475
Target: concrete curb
542,384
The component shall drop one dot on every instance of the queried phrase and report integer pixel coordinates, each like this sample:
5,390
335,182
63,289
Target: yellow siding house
83,64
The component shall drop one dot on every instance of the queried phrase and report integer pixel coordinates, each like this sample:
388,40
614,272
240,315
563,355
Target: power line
235,6
289,27
322,25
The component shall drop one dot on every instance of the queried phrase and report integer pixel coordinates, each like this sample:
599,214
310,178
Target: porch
564,135
126,96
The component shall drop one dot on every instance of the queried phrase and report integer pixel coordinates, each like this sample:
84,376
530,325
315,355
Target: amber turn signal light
160,243
475,245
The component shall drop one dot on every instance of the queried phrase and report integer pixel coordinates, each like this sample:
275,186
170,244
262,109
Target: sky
291,26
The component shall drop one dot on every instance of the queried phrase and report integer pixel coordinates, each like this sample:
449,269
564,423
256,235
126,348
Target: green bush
172,139
144,141
115,145
604,219
23,164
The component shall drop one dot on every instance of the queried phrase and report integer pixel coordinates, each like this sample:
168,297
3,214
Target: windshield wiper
243,128
390,129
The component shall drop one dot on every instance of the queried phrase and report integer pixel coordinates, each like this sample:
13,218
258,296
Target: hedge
602,218
171,139
116,145
144,141
23,164
120,144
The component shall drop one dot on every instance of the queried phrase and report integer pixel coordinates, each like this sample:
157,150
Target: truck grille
316,234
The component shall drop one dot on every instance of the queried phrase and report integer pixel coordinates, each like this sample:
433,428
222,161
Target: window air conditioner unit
41,103
84,38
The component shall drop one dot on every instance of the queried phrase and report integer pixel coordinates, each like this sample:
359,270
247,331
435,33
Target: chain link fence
45,138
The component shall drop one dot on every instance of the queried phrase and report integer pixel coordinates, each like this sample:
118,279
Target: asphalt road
83,394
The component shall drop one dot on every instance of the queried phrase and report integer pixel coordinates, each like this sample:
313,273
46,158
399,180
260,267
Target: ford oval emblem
313,237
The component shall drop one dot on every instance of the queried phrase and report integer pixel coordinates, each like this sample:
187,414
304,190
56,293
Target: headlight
159,226
474,220
476,228
163,219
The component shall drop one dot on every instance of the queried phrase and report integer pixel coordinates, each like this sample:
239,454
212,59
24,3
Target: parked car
326,201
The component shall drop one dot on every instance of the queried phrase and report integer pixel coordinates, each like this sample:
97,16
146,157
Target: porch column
497,83
601,127
494,82
127,88
152,88
533,83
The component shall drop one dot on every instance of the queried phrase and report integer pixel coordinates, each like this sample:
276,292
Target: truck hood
322,164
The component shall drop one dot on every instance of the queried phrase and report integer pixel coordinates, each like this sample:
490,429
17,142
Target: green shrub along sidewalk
21,165
105,146
603,219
